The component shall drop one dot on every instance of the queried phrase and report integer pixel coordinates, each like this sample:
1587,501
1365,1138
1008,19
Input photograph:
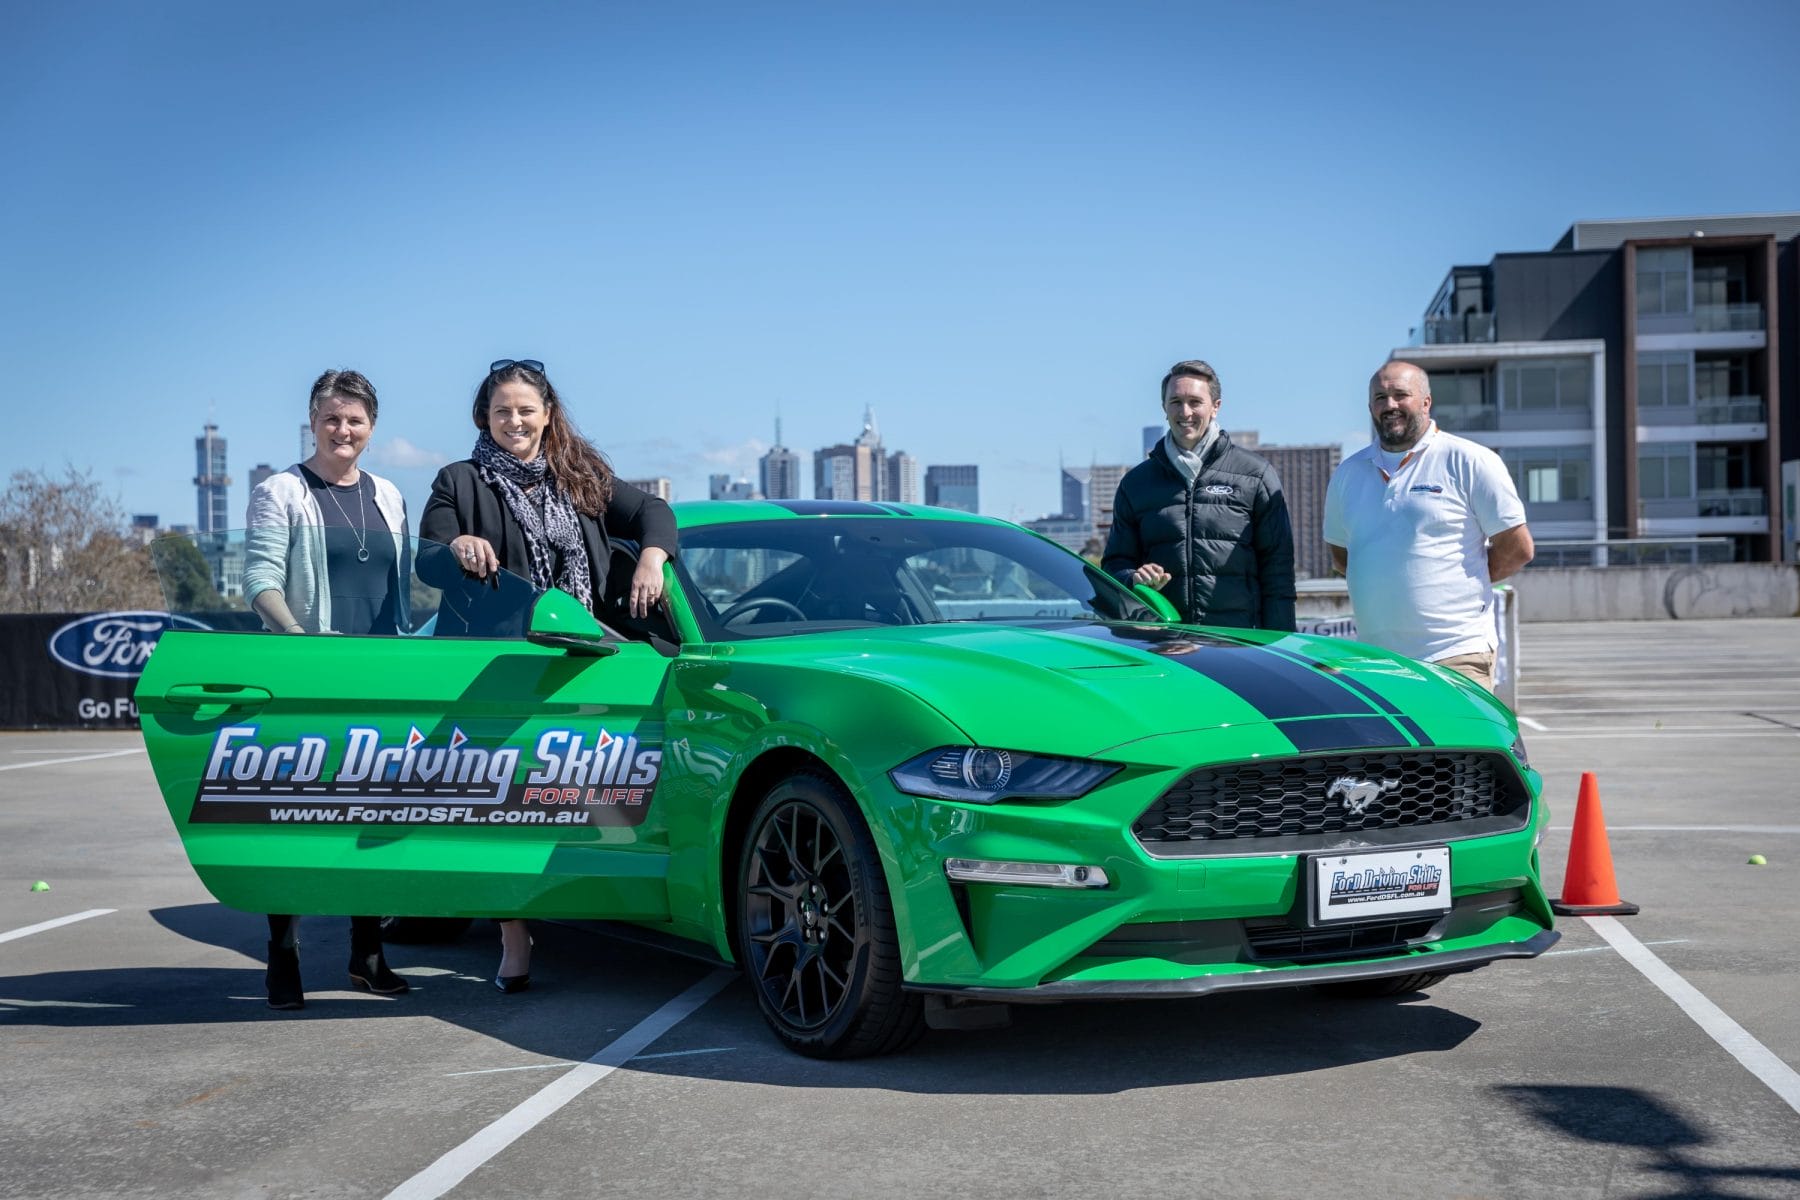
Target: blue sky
996,223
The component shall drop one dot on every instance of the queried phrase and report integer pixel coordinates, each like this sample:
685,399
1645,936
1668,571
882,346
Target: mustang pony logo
1358,794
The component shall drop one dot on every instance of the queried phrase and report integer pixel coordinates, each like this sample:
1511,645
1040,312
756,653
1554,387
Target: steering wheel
757,604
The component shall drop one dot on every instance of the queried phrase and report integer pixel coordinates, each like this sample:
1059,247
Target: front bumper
1446,962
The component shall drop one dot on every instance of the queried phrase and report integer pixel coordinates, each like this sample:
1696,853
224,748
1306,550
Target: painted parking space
1573,1074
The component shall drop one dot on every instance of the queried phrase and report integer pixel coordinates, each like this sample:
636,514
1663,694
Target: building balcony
1452,331
1708,411
1732,502
1727,318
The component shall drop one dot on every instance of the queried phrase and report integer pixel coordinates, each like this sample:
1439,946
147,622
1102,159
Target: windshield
763,578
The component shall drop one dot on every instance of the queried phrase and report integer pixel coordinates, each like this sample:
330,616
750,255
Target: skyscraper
659,486
1103,489
1075,504
724,487
780,470
954,487
1304,471
853,472
258,473
902,478
211,483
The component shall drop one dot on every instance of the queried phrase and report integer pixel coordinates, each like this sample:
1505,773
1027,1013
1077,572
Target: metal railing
1727,318
1450,331
1732,502
1730,410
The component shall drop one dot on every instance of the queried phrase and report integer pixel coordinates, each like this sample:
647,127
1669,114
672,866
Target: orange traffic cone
1588,885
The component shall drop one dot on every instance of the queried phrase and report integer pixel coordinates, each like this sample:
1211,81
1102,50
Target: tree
63,548
187,581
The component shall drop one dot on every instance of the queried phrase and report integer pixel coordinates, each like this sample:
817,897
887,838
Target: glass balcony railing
1466,418
1730,410
1727,318
1451,331
1732,502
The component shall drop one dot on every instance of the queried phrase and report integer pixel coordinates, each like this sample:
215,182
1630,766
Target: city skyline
998,230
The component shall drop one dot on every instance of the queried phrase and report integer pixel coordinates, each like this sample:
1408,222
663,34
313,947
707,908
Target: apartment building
1634,377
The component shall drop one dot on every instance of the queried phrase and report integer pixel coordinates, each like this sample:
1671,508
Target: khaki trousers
1479,667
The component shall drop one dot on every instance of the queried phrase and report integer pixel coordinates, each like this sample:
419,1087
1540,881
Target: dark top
461,503
1225,539
359,555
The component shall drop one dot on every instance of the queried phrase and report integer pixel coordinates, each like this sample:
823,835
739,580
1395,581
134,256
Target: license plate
1349,887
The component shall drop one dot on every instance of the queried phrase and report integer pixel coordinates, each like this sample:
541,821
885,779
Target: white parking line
461,1162
1756,1058
1674,733
1689,828
60,921
51,762
640,1058
1528,723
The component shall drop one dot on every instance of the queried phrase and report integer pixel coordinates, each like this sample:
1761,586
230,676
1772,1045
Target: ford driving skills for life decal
574,777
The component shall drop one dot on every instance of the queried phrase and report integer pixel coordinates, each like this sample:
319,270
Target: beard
1400,430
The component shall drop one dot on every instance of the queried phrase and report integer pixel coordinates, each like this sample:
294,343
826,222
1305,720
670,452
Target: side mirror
560,620
1158,602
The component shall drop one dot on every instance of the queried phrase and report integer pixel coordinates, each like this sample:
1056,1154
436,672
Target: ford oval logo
114,644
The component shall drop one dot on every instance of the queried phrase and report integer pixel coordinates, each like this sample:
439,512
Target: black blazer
461,503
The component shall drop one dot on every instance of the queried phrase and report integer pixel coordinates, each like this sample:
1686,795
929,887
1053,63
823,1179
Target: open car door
495,753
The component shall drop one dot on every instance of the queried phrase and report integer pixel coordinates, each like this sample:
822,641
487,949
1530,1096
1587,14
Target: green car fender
741,726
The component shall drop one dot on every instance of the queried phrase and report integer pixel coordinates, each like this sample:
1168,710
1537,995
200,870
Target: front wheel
817,928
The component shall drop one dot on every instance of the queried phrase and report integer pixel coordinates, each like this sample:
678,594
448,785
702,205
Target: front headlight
1518,749
977,775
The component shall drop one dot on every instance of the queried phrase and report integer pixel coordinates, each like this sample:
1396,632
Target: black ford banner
78,670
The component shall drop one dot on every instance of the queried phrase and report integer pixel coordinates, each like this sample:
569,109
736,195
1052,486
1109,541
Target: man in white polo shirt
1424,523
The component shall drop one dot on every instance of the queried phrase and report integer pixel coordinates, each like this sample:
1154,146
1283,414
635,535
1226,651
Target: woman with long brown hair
536,499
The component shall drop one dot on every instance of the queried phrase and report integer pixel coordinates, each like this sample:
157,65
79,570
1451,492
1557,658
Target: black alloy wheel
816,926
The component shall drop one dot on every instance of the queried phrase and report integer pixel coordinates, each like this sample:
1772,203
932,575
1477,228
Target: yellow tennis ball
1757,860
40,886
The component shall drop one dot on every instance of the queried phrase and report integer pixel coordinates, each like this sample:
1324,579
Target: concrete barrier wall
1624,593
1659,593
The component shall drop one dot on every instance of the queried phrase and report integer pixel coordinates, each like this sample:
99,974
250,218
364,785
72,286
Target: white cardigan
284,546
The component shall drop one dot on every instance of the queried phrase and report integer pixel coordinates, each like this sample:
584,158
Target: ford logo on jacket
114,644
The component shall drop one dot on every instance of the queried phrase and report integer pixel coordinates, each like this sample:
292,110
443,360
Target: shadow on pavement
1633,1119
587,989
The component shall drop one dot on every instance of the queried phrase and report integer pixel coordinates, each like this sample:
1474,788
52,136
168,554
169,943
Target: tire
1393,985
816,926
423,930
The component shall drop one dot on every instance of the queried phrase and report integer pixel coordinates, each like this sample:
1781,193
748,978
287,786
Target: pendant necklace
362,527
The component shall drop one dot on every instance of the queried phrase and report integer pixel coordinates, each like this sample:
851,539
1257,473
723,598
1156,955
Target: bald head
1400,404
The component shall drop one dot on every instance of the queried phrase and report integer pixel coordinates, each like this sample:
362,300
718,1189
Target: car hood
1086,688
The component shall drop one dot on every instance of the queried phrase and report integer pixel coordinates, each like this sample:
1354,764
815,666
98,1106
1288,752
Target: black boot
368,965
283,978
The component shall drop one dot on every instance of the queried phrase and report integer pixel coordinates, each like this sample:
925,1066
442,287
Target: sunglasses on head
500,364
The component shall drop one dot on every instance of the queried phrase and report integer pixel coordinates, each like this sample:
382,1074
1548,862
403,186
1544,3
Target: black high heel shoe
513,983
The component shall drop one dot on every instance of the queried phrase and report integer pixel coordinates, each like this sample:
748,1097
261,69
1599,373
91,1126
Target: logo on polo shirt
1434,488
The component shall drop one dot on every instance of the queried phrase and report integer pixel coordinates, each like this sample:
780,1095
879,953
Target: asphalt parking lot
1650,1055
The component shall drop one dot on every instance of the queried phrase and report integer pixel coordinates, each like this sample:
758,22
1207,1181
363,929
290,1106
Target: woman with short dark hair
536,499
326,551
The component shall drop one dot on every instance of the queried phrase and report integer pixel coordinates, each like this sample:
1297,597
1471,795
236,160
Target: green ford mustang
896,763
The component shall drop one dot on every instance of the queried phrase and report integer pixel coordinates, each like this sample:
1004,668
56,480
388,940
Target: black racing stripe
1276,685
833,508
1381,702
1338,733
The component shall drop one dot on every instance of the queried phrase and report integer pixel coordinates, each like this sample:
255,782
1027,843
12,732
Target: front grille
1309,803
1279,940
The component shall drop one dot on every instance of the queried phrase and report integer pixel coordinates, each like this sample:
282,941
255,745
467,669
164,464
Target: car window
401,587
780,577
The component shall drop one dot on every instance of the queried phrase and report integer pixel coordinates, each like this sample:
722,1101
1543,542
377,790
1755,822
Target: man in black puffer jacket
1202,520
